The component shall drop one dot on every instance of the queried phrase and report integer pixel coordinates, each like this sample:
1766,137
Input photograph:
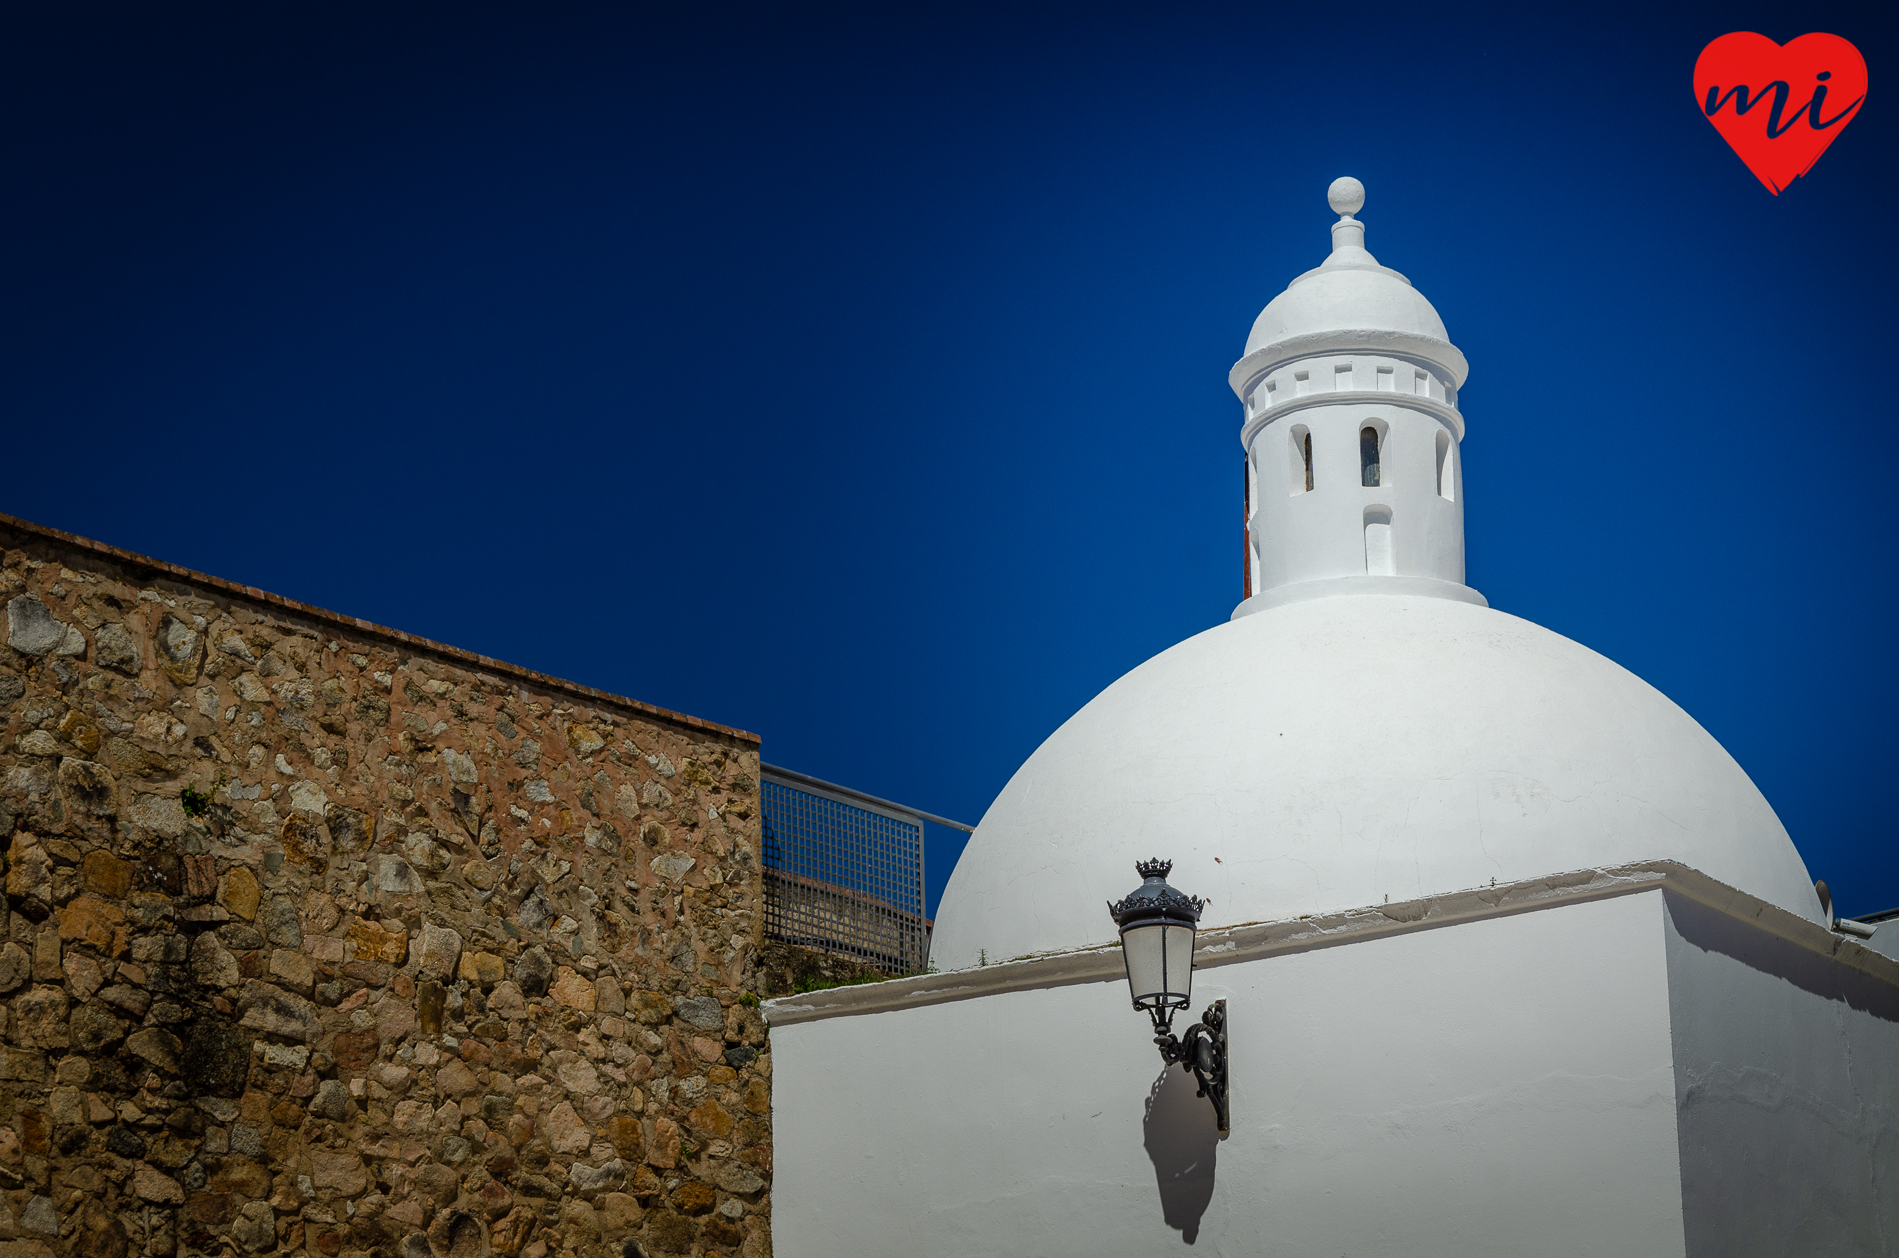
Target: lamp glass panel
1143,947
1160,963
1180,963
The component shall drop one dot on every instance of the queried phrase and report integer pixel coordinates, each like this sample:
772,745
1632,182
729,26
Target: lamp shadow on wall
1182,1138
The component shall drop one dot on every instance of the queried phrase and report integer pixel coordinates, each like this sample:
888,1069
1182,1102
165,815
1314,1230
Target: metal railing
844,871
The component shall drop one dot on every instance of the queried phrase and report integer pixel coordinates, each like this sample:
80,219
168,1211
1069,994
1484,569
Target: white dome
1356,299
1348,303
1325,755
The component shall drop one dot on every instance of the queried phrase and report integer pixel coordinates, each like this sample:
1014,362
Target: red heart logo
1779,106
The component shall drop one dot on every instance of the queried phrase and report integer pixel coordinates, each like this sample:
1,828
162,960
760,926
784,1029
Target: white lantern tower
1349,388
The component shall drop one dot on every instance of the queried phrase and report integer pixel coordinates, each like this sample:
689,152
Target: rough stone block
511,1234
332,1101
704,1012
279,922
628,1136
591,1179
355,1050
107,874
652,1008
456,1079
368,941
439,949
672,1233
81,732
394,876
240,893
29,868
395,1021
739,1178
572,990
39,1019
115,648
482,968
22,1066
430,1002
163,1050
461,767
695,1198
255,1227
304,844
93,1028
46,956
98,923
201,877
131,1000
711,1120
88,788
577,1075
32,630
159,814
179,649
212,965
673,865
293,969
242,1176
338,1169
16,966
37,742
506,1002
663,1152
565,1131
619,1213
278,1012
158,1188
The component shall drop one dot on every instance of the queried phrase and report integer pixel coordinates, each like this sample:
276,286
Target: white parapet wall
1499,1072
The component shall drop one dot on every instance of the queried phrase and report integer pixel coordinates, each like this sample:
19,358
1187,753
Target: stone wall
322,938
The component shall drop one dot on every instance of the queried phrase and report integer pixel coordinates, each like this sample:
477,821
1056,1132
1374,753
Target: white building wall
1502,1086
1787,1079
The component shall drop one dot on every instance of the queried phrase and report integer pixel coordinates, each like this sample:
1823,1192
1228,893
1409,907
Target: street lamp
1157,933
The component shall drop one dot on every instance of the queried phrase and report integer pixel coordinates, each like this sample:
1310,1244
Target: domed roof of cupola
1349,302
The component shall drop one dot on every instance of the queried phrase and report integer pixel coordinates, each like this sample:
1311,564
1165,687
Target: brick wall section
322,938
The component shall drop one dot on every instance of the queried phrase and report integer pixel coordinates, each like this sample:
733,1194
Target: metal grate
843,872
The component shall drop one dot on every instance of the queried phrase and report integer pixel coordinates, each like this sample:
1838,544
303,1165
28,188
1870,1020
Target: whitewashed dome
1350,301
1331,753
1339,298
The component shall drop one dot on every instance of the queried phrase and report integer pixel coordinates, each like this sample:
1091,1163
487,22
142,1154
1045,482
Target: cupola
1351,429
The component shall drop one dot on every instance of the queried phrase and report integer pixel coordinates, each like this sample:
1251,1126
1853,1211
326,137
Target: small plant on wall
198,802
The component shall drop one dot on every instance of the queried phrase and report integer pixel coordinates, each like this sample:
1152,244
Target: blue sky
858,376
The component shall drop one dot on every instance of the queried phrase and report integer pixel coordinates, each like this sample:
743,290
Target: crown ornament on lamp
1157,925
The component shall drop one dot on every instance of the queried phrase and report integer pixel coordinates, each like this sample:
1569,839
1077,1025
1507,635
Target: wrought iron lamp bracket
1202,1050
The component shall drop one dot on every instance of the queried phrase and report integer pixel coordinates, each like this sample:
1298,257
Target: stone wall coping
1231,944
356,625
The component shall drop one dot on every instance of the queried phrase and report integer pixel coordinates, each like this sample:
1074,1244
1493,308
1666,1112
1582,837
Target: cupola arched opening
1370,475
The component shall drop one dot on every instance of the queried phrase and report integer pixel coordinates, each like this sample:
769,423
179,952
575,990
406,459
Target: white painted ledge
1330,587
1232,944
1426,349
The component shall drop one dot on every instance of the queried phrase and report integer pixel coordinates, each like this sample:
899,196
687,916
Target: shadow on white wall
1182,1140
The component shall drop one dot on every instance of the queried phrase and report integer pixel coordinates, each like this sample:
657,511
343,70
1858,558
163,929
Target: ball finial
1346,195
